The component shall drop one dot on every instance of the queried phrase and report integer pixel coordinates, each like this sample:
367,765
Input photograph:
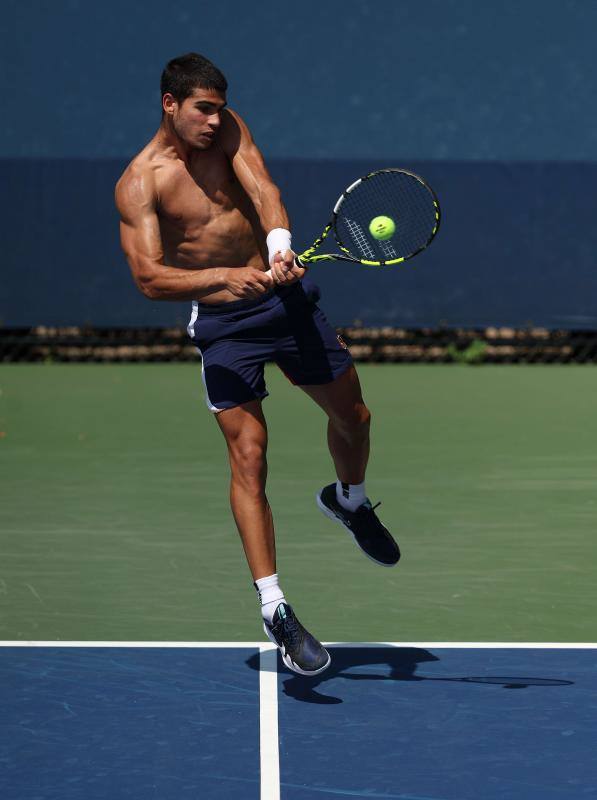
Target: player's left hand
285,269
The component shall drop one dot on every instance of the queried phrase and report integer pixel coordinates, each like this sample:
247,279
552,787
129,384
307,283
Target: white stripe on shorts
191,331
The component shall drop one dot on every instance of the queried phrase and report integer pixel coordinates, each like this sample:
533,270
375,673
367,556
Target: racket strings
414,206
359,238
398,195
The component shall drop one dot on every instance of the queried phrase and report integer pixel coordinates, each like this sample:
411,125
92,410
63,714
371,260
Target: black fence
398,345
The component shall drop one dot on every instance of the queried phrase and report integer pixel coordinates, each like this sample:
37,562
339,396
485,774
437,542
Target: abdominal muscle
215,236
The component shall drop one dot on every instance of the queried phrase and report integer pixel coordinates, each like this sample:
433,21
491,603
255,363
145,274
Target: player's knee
248,462
364,416
363,420
356,421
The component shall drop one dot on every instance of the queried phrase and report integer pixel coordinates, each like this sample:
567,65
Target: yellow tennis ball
382,228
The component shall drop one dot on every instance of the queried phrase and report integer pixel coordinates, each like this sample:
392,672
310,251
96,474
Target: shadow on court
372,663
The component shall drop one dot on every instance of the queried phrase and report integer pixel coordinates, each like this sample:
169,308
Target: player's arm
141,241
249,167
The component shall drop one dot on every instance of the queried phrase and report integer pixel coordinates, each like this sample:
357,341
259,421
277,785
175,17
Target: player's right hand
248,282
285,269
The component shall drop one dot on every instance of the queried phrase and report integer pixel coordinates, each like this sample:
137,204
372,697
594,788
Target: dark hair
186,73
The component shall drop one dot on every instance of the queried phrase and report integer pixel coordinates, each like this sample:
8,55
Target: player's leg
348,424
345,500
235,342
312,356
245,431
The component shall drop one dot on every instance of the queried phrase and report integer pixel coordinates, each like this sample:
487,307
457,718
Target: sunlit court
298,457
121,565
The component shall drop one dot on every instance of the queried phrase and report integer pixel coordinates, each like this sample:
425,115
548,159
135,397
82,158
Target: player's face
197,119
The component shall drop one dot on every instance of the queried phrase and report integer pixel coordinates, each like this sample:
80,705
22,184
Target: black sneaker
301,652
372,537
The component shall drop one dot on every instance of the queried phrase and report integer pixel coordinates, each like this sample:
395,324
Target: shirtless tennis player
201,220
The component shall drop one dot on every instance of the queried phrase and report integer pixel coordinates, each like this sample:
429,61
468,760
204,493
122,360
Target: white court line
269,748
54,643
259,645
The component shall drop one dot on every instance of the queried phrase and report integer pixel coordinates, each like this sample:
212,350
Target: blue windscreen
493,104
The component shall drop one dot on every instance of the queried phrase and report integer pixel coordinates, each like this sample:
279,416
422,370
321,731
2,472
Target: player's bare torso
206,218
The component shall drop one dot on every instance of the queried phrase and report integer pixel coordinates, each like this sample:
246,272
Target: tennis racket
383,218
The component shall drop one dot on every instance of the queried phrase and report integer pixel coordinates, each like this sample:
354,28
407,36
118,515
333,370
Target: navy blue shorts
236,340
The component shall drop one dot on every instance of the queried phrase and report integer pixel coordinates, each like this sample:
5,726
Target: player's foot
372,537
301,652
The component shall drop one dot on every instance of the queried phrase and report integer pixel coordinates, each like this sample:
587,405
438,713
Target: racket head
396,193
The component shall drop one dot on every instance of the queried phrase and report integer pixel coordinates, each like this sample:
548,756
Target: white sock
270,595
350,495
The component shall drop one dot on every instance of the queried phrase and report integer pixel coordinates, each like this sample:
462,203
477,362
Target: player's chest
198,194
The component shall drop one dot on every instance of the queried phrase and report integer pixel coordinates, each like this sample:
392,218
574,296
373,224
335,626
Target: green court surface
115,525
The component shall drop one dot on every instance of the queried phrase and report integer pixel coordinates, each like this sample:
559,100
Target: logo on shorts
341,342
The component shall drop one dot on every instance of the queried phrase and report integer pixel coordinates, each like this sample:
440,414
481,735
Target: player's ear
169,103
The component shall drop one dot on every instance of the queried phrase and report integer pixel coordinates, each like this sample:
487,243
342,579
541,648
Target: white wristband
278,241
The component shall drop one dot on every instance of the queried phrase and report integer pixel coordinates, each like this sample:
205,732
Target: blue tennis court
411,721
